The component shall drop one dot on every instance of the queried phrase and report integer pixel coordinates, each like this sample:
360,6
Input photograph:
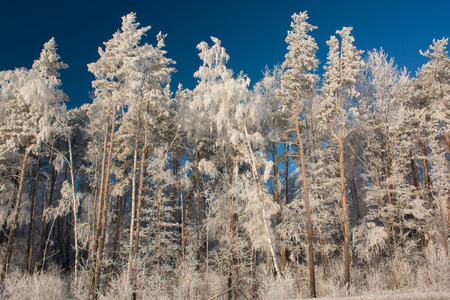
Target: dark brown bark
414,174
30,240
117,231
45,227
323,256
6,257
60,240
186,220
427,179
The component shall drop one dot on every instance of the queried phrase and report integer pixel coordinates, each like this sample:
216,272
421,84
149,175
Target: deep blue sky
252,32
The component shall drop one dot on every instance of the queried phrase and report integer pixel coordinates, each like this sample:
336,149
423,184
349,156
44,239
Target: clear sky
252,32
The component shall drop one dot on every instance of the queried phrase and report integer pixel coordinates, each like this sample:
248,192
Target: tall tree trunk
355,203
312,279
130,264
284,255
234,233
345,220
100,232
97,220
59,253
197,206
142,175
104,217
44,233
428,195
345,216
117,232
66,258
6,257
51,178
74,211
30,240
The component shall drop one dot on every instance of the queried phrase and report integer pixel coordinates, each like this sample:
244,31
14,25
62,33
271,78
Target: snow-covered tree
129,87
432,96
298,83
342,71
32,111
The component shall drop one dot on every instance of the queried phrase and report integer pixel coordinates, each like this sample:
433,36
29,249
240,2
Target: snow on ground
406,296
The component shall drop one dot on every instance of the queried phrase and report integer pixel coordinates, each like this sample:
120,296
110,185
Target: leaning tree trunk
6,257
263,210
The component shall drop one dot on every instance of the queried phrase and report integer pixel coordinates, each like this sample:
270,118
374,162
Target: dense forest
306,184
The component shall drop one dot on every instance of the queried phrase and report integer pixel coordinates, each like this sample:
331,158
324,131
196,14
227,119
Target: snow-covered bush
47,286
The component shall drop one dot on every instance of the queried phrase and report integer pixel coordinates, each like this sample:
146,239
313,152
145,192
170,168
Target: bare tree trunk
59,253
133,215
97,230
117,232
74,211
30,240
234,233
100,232
427,179
323,256
44,234
197,206
345,221
345,216
312,279
355,203
45,205
101,243
142,175
286,183
6,257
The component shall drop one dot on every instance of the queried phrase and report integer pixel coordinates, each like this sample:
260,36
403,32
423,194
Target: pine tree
432,96
128,87
298,83
32,107
341,73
